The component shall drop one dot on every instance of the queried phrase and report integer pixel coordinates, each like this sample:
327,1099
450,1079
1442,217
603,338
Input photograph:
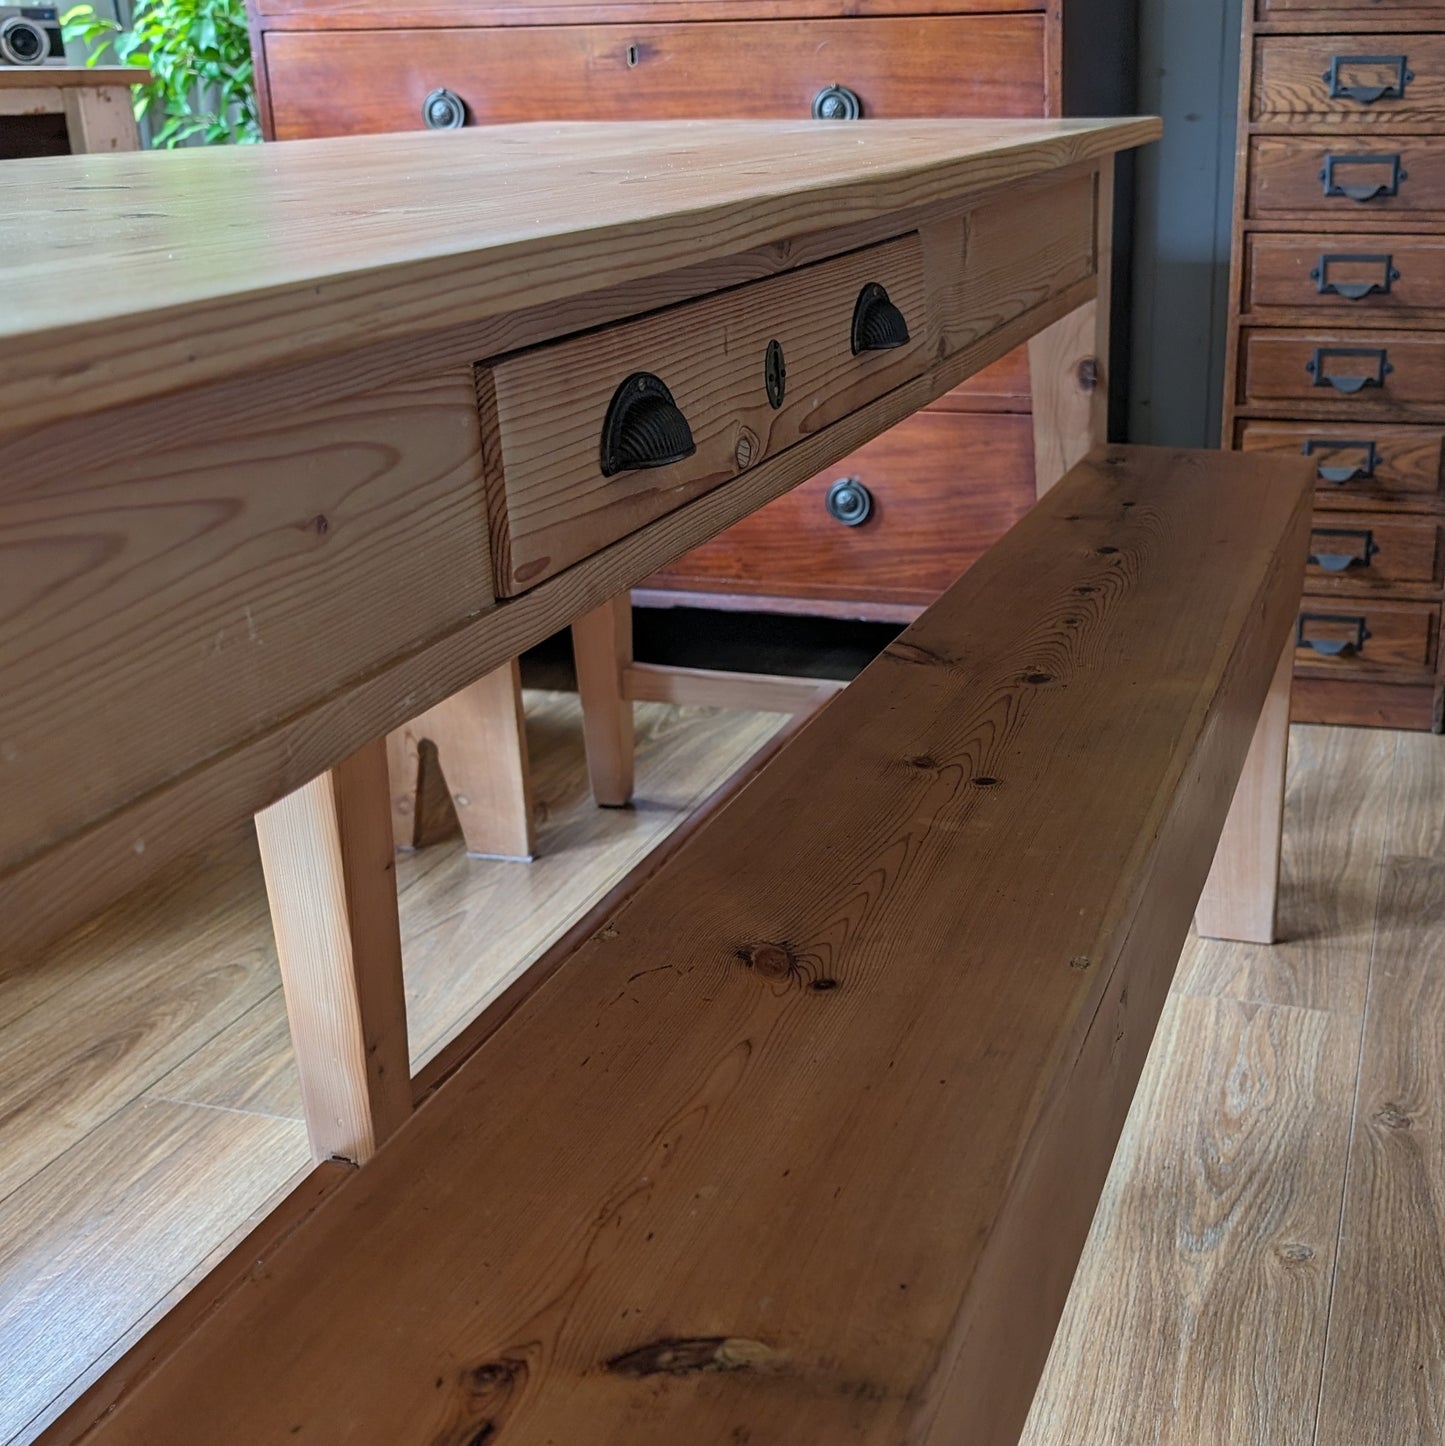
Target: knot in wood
772,961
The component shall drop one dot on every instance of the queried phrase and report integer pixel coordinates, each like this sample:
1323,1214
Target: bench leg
602,649
1241,896
481,744
331,879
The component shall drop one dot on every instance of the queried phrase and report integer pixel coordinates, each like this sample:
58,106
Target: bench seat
802,1146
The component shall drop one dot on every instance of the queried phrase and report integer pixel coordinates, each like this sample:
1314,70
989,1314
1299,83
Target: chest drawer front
1365,549
1302,9
1346,178
1364,636
1360,373
1354,81
554,497
339,82
937,491
1351,457
1352,275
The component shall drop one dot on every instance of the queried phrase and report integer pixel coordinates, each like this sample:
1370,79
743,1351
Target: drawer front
1302,9
1359,635
1354,373
553,494
1346,177
1367,550
1356,81
1351,457
339,82
941,489
1351,276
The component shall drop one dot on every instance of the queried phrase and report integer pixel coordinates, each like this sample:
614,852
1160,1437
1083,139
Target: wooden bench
802,1145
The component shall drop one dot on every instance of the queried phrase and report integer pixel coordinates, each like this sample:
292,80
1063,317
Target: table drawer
940,489
588,439
1368,550
1346,177
1363,373
1357,458
1354,276
1360,635
1354,81
339,82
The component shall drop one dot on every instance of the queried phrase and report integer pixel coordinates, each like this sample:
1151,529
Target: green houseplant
199,56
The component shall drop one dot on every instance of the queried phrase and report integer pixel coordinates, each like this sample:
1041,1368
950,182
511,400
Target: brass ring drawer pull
444,110
837,102
849,502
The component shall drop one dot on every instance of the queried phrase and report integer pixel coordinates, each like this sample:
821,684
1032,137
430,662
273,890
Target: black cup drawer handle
644,427
1351,382
1325,285
1361,471
1369,190
849,502
878,325
837,102
1392,89
1333,647
444,110
1343,561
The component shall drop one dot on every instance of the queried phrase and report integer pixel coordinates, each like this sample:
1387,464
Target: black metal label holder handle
1379,190
1354,290
1343,561
1363,471
1333,647
1351,383
1393,89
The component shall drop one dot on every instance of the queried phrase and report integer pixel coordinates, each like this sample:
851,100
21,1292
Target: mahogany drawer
1352,275
1385,81
942,487
1356,374
335,82
1343,177
1370,550
558,489
1365,636
1355,457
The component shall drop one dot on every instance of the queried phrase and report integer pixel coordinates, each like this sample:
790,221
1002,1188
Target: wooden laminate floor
1268,1262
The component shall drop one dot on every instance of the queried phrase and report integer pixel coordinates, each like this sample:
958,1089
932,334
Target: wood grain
1409,458
1337,810
602,652
1417,820
481,750
717,688
77,77
347,14
1207,1271
1401,636
637,72
735,1098
99,120
1366,702
1290,85
543,411
212,579
179,1175
1387,1320
945,486
1284,176
1279,273
489,226
331,882
1405,550
1276,370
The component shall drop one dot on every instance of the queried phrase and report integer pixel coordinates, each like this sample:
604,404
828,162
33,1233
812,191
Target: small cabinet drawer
1344,177
1355,550
1303,9
1361,635
587,439
1352,275
928,498
331,82
1350,457
1363,373
1354,81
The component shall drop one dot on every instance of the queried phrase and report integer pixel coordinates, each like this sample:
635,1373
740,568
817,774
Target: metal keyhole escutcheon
775,375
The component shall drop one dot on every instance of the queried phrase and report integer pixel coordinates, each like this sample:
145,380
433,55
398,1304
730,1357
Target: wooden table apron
256,520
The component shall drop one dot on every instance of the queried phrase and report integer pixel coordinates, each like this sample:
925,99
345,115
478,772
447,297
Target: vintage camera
30,35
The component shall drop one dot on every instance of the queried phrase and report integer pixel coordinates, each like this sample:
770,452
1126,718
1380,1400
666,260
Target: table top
186,266
70,77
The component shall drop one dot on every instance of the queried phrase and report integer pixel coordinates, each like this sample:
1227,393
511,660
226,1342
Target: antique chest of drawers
1337,332
865,540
